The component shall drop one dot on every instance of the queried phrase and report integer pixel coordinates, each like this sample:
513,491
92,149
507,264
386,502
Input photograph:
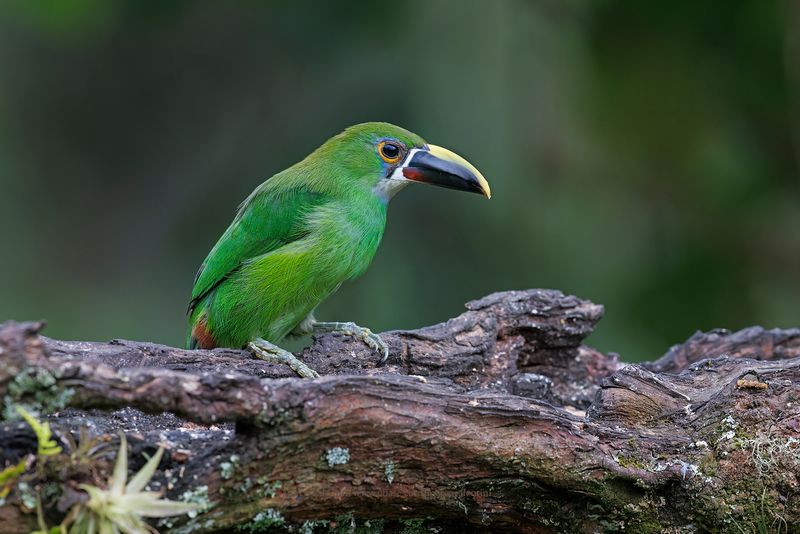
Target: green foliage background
641,154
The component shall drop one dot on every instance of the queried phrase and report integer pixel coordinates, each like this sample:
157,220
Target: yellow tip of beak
449,155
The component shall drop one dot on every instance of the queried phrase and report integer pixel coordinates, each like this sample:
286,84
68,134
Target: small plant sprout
8,477
40,521
47,447
121,508
86,449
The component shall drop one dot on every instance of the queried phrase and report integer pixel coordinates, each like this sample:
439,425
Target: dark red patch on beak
412,173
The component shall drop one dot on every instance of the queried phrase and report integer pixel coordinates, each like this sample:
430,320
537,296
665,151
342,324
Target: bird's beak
438,166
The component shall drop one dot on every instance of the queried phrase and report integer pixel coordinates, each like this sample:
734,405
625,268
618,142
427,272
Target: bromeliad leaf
121,507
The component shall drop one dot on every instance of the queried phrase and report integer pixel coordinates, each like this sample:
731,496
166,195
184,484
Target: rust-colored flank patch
204,338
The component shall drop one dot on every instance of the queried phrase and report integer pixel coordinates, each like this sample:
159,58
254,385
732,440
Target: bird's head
386,158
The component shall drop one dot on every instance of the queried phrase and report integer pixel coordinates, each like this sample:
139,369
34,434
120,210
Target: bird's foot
371,339
264,350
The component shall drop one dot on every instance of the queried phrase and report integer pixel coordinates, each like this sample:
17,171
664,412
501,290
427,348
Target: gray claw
264,350
366,335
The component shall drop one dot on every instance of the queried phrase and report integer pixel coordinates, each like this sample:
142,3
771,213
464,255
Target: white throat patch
388,187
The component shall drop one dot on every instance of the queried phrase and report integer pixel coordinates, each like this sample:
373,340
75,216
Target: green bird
306,230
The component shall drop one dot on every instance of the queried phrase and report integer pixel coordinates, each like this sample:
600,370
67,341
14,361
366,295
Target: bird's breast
348,238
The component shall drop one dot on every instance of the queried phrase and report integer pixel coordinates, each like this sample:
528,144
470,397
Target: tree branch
498,418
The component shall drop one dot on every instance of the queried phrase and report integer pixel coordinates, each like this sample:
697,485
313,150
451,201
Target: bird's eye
390,152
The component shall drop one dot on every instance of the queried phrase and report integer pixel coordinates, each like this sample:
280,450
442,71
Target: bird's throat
388,187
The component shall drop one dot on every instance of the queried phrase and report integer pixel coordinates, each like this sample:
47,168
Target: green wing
266,221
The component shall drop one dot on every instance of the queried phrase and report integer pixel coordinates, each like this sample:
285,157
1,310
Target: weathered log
498,419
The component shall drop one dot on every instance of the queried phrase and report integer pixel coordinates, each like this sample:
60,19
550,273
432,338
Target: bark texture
499,419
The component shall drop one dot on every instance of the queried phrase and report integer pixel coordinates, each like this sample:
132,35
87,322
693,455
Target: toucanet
306,230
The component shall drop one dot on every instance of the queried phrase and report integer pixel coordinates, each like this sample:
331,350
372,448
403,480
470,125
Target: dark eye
390,152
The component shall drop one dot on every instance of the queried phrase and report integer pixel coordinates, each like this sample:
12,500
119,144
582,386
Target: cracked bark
497,419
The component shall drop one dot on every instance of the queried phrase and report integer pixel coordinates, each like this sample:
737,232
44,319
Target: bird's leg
366,335
264,350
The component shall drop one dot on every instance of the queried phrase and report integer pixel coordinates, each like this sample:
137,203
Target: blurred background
643,155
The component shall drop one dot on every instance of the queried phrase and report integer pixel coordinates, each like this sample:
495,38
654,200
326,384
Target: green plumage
294,240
